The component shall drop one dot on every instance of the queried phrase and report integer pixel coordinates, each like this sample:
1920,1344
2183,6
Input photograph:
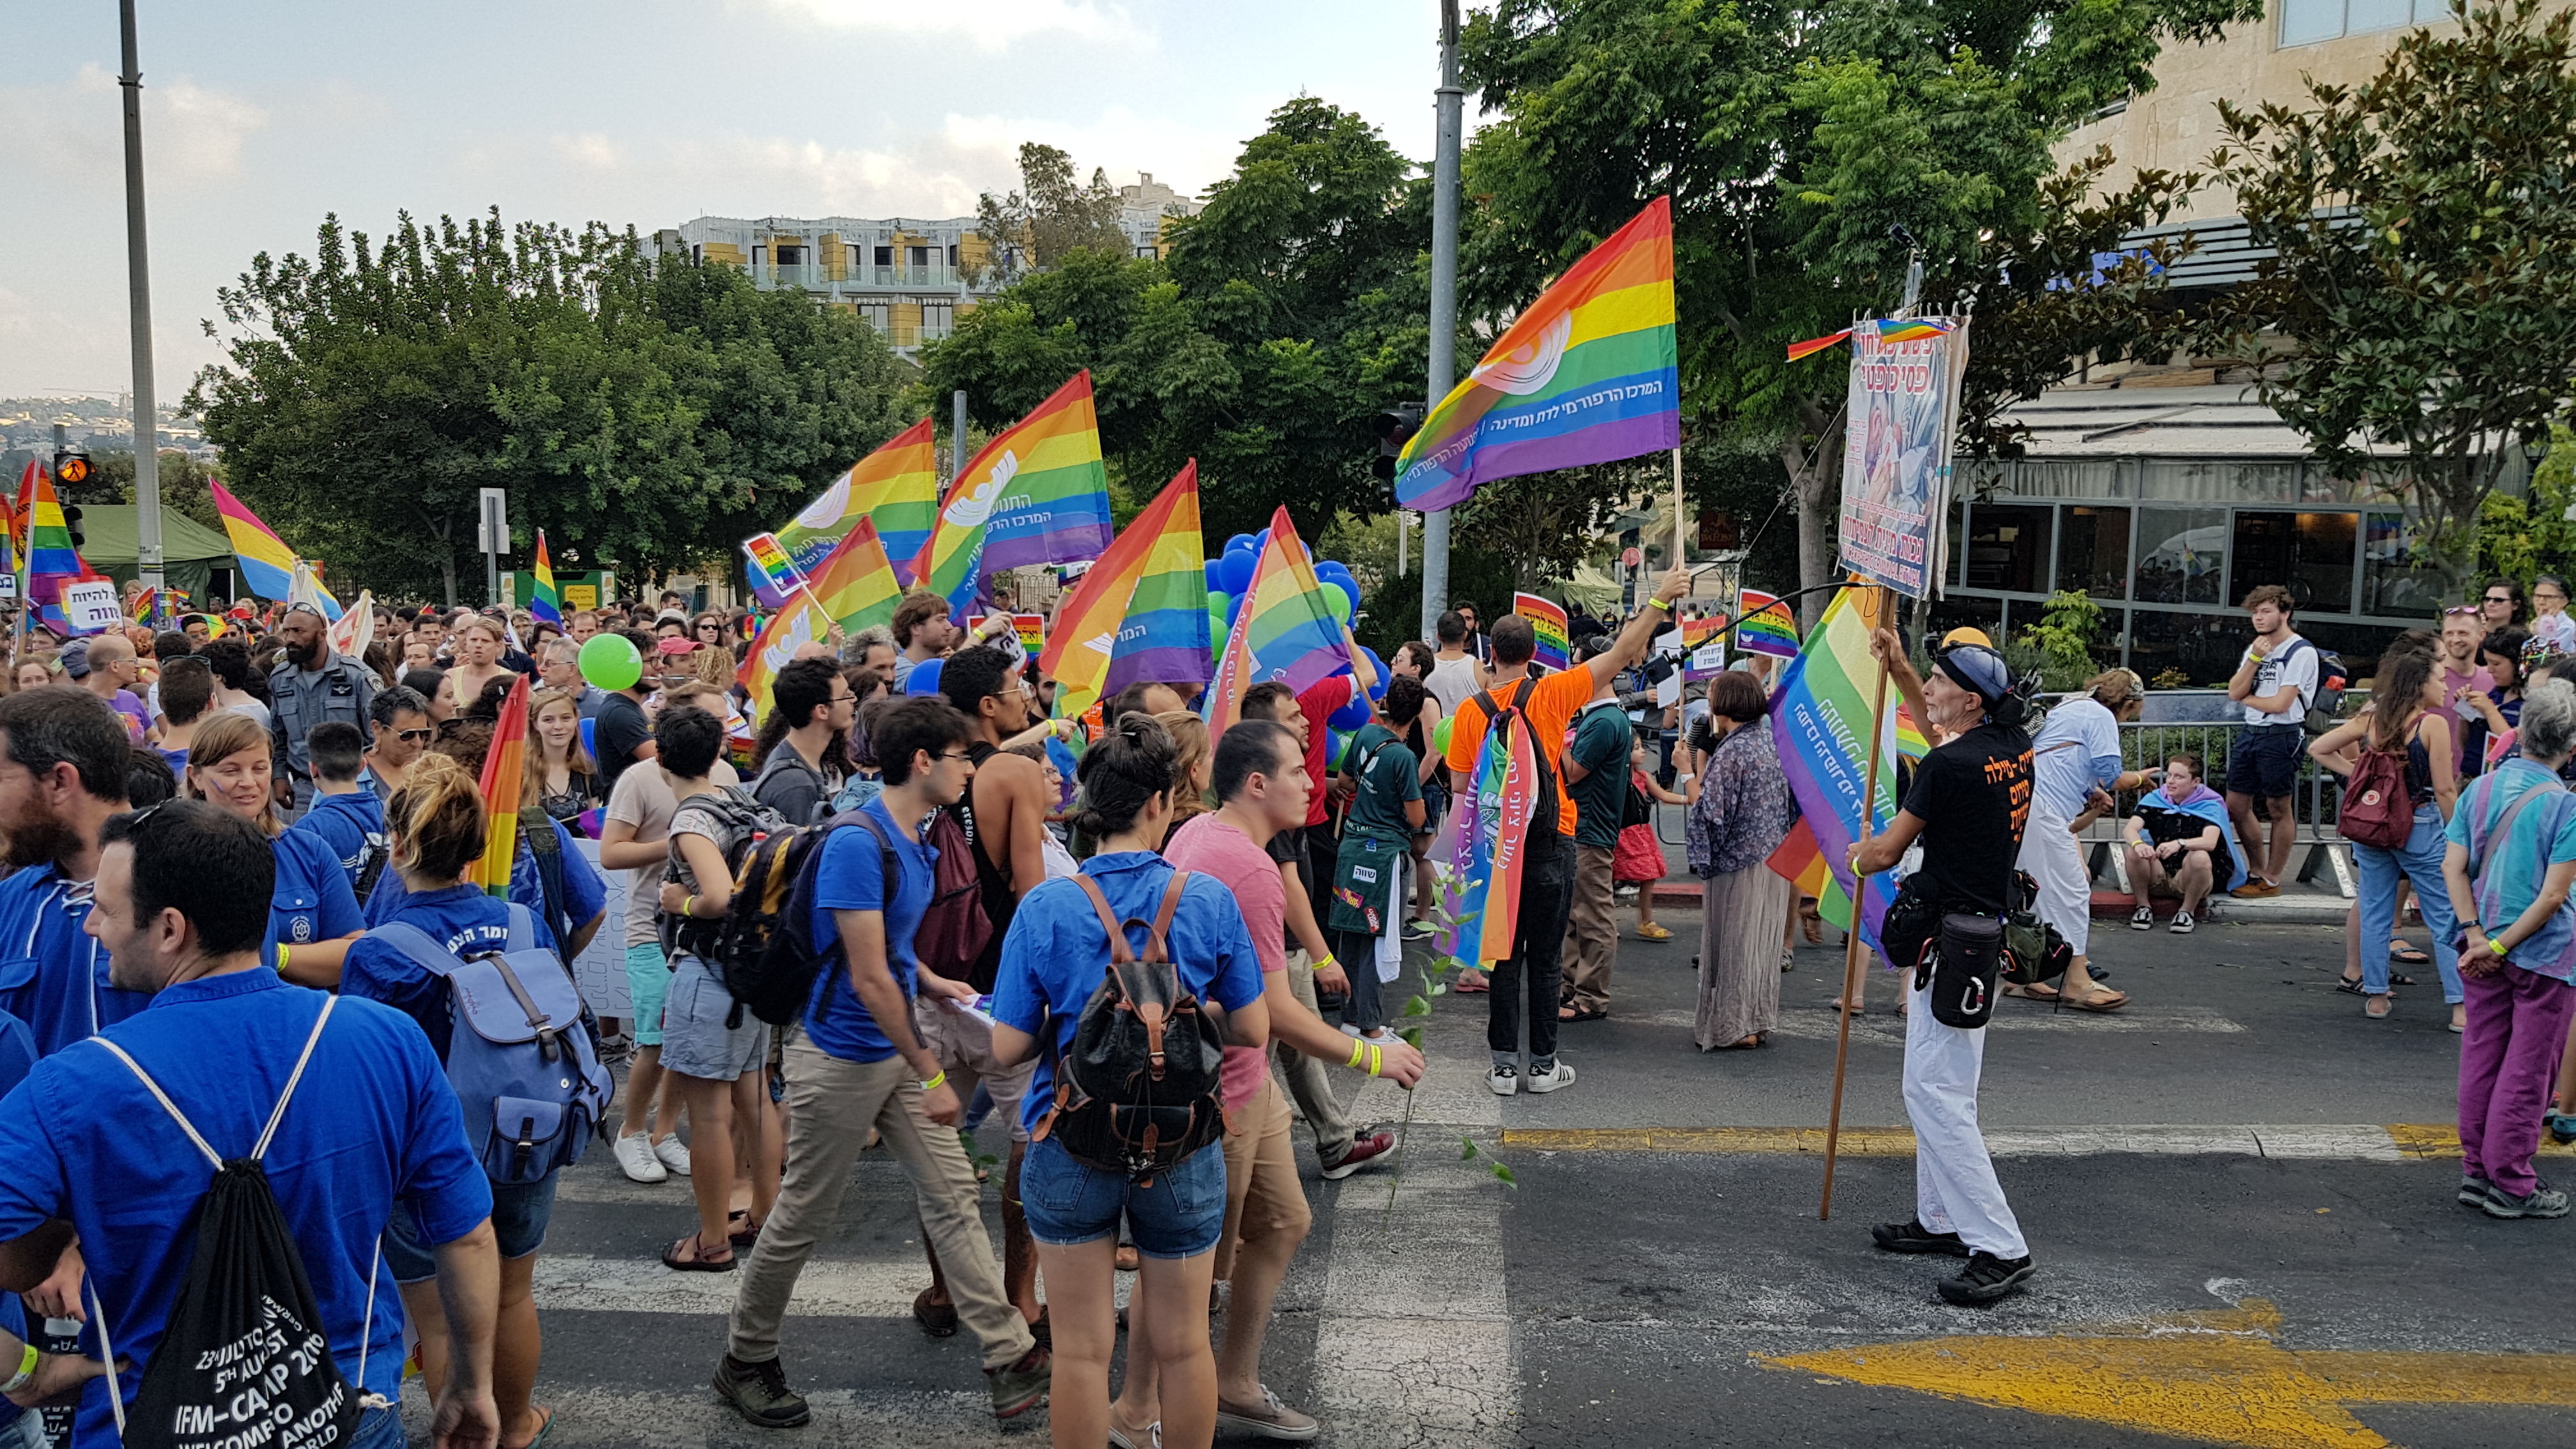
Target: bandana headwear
1977,669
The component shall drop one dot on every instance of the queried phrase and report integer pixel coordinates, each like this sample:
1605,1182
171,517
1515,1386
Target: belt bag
1961,965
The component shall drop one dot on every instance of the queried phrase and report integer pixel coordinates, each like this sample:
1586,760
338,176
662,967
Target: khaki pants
1263,1197
1308,1079
1591,931
830,1105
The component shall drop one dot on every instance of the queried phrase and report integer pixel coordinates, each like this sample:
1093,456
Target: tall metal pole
1450,97
956,434
138,271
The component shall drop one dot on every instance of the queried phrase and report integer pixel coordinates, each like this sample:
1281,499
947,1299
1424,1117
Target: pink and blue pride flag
1587,374
1284,631
1820,718
1037,494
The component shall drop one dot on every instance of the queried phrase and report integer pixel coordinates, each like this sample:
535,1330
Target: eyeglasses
958,755
843,698
414,737
711,628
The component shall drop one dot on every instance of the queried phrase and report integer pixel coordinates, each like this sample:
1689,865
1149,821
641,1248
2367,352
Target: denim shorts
648,980
1181,1215
519,1214
2265,762
696,1042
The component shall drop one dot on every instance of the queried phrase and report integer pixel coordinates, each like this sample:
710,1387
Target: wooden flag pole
1678,560
1851,943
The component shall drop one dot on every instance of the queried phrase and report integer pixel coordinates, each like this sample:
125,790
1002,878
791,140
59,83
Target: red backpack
2378,807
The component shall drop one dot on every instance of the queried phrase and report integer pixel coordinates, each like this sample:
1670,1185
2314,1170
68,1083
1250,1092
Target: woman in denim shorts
1053,959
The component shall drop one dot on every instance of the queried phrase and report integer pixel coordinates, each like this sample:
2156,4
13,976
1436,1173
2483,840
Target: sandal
2378,1007
2407,955
545,1426
1653,932
2036,991
746,1235
696,1262
1811,923
1757,1039
1858,1009
1483,985
1568,1013
2349,986
2400,978
2107,1001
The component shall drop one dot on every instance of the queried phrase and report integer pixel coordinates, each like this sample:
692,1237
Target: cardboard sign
1031,628
92,607
773,574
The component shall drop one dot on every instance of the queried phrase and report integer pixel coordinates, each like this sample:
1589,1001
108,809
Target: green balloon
1216,617
1339,603
610,662
1440,736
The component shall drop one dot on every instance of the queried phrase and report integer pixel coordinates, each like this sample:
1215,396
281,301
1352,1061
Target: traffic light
71,465
1393,429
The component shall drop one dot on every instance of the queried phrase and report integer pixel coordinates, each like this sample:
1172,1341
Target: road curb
2368,1142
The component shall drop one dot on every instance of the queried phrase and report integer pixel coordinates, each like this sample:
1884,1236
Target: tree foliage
644,417
1795,143
183,485
1051,216
2423,235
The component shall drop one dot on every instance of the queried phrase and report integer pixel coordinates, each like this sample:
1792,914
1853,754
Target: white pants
1955,1190
2055,859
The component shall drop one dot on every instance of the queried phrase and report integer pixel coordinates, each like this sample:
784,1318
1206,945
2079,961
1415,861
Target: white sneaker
635,1158
674,1154
1505,1080
1384,1036
1561,1076
2182,923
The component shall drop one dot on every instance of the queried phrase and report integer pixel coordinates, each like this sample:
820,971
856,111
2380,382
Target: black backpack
764,945
1140,1091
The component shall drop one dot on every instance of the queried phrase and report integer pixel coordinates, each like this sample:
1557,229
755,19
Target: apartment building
911,278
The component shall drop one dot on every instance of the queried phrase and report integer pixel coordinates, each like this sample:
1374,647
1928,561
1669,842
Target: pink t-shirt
1210,846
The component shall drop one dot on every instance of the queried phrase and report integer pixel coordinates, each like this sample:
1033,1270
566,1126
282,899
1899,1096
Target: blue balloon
924,678
1378,691
1215,576
1350,716
1233,606
1245,540
1234,572
1262,538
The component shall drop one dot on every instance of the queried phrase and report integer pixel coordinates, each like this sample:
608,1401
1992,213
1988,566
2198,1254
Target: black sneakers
1913,1237
1986,1279
759,1392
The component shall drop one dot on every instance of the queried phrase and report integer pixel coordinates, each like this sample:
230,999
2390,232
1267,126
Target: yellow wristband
937,1080
1663,604
281,958
1358,1049
1377,1060
1327,961
2496,946
689,906
26,1370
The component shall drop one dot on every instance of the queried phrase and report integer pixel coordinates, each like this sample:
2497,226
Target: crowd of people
240,861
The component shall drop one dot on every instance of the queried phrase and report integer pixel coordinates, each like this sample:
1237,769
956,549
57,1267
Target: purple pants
2517,1026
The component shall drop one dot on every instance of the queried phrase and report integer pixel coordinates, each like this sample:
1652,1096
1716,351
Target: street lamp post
138,270
1444,297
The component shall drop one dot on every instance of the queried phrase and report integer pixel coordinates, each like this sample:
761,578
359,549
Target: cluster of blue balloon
1229,576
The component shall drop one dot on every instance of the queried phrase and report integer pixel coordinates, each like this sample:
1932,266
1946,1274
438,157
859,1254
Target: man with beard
310,685
63,758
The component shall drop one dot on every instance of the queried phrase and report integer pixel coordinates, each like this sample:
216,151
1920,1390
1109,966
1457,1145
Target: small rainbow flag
1587,374
1816,344
1038,493
1548,622
545,602
146,607
1283,631
896,487
854,583
1890,329
1141,612
1767,627
267,564
504,776
51,560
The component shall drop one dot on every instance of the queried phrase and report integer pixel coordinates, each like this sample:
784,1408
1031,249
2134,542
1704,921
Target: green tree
1051,216
1795,142
2520,538
2422,232
183,485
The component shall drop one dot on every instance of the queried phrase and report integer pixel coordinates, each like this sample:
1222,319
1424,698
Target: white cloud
990,24
73,130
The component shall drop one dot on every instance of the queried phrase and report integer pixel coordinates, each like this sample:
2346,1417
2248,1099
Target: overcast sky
260,116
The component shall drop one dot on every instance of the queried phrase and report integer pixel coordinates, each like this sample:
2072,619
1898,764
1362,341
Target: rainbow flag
896,487
51,561
854,583
1817,717
545,602
1485,844
1767,627
1036,494
1283,631
146,607
267,564
504,776
1141,613
802,621
1547,621
1816,344
1911,743
1587,374
1890,329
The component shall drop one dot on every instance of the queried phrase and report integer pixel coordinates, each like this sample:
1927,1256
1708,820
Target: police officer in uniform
310,686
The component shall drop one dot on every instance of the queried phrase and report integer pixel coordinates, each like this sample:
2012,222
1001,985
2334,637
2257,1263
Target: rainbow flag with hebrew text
1141,612
896,488
1549,639
1483,845
1820,721
1038,493
1767,627
504,777
1588,373
1283,631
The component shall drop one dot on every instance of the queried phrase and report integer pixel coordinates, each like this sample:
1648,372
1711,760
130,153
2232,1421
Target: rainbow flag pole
502,772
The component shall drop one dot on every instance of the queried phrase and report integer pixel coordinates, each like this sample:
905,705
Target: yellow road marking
2219,1377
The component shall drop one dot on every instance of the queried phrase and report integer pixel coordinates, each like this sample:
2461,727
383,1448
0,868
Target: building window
2093,553
885,258
2180,554
2205,646
794,256
760,259
2008,548
852,260
2393,582
2311,552
2305,22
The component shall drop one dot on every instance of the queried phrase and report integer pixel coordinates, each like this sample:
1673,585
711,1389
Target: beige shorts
1264,1200
964,1048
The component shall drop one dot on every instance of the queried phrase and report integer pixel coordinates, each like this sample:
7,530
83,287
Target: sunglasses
415,737
2499,599
2459,609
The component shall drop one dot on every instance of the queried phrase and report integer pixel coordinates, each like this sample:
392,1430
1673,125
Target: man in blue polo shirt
63,758
350,817
181,910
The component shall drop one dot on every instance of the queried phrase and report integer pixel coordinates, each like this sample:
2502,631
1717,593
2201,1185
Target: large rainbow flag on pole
545,603
1820,719
1588,373
854,583
51,561
896,488
1141,613
1283,631
1038,493
803,621
504,775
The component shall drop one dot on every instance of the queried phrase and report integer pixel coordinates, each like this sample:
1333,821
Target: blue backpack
521,1059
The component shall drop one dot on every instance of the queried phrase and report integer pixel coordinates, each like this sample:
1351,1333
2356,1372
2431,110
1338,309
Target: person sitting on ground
2174,842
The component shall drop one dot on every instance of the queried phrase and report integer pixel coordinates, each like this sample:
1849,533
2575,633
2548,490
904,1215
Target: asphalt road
2326,1292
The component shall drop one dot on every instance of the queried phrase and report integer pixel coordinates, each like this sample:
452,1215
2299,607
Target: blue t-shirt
346,822
585,894
53,976
851,877
2077,750
1055,954
312,901
372,1125
2510,877
17,1059
460,918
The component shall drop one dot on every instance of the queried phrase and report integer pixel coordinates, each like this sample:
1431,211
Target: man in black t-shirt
1968,803
619,731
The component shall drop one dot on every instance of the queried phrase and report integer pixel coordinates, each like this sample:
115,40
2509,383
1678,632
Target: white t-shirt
2559,629
1452,682
2076,750
2294,664
643,799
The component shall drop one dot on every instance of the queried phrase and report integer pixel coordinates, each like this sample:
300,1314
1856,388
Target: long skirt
1739,955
